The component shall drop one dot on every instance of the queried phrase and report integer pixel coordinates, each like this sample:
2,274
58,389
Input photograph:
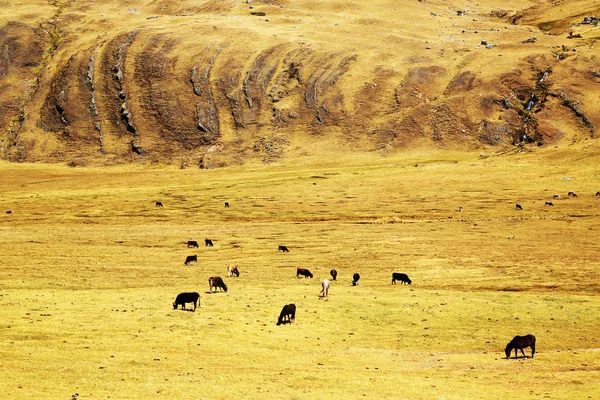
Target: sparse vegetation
90,268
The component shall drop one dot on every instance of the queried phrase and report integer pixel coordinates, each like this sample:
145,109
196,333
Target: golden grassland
89,268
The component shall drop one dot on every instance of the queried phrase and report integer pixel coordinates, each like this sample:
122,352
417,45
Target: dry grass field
89,267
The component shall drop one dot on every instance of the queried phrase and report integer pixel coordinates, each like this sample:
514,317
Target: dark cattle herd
288,313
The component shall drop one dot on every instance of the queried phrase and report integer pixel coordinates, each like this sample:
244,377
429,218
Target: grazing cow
283,249
208,243
325,288
355,279
191,259
226,204
187,297
192,243
216,282
572,194
9,212
518,206
333,273
232,270
597,194
304,272
519,343
548,203
403,278
556,196
288,311
158,204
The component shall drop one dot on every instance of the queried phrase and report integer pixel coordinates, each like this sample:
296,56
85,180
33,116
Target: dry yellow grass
90,267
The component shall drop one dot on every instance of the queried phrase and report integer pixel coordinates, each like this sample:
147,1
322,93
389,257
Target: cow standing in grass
217,283
304,272
333,273
519,343
325,289
191,260
403,278
187,297
232,270
287,315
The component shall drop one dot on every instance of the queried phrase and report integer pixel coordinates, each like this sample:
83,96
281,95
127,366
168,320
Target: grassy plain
89,268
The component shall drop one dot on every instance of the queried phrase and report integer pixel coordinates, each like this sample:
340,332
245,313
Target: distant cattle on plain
403,278
325,288
355,279
159,204
226,204
283,249
208,243
548,203
232,270
192,243
287,315
191,260
333,274
217,283
187,297
572,194
518,207
519,343
303,272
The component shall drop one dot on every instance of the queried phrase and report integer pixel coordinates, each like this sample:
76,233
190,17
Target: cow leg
522,352
194,305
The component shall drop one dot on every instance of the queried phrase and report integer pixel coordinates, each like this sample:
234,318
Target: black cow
208,243
191,259
187,297
226,204
572,194
519,343
304,272
518,206
403,278
158,204
192,243
548,203
216,282
9,212
556,196
597,194
333,273
283,249
288,311
355,279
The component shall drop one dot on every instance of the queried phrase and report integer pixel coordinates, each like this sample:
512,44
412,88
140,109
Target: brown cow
232,270
519,343
216,282
304,272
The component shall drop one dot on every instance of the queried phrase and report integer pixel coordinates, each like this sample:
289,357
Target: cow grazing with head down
192,243
187,297
355,279
548,203
226,204
191,260
283,249
518,207
217,283
403,278
325,289
232,270
556,196
159,204
572,194
208,243
333,273
287,315
304,272
519,343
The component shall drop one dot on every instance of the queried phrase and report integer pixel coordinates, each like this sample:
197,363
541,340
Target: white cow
325,290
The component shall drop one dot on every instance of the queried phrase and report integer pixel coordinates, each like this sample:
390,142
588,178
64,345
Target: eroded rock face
161,93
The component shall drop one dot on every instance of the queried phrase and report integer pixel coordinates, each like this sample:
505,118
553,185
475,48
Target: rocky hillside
215,83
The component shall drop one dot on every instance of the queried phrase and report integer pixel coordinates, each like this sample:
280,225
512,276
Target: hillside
213,83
